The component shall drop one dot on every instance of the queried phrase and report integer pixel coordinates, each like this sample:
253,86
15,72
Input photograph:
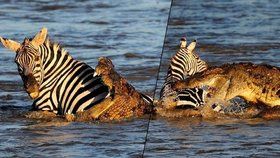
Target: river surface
130,33
227,31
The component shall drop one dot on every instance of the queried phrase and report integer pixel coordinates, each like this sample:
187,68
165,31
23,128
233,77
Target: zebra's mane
56,46
49,43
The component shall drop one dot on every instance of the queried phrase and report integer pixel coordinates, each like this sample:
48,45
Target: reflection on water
131,35
227,31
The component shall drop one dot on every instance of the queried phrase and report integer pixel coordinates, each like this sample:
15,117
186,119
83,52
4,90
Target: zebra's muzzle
31,86
34,95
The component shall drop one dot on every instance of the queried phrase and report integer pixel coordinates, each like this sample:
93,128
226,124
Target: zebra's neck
53,60
68,85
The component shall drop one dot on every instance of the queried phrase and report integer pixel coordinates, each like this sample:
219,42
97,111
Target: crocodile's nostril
214,106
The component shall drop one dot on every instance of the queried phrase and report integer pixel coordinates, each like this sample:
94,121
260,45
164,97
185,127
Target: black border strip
160,63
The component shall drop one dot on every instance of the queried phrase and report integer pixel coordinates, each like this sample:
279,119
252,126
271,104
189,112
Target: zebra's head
28,60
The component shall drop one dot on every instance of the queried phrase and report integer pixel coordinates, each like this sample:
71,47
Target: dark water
227,31
130,33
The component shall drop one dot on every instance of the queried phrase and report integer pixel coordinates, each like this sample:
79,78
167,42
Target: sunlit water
227,31
130,33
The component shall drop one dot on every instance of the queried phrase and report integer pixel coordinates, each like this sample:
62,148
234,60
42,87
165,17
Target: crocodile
125,101
259,85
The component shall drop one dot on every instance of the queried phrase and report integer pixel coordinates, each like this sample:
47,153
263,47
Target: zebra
184,64
53,79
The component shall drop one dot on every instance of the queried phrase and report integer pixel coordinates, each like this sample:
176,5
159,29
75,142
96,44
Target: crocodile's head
104,66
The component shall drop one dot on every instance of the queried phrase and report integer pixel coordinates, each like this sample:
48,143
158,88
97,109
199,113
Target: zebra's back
75,89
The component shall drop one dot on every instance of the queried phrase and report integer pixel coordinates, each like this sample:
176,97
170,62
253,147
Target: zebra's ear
192,45
183,42
10,44
40,37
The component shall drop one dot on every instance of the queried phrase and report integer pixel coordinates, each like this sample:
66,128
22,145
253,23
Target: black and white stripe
66,85
184,64
193,97
149,100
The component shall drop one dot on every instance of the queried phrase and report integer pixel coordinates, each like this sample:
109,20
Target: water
132,36
130,33
193,137
227,31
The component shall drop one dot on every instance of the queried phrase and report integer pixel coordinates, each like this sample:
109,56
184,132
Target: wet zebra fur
184,64
57,82
68,85
191,97
149,100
